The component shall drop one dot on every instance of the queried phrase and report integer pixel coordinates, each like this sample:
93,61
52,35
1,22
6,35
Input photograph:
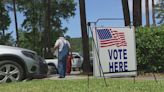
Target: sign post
114,52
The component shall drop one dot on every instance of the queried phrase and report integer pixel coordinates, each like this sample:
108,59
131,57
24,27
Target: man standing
63,50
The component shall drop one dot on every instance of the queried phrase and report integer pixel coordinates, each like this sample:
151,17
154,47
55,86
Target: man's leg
60,65
64,65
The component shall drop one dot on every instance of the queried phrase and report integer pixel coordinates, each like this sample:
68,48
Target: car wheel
52,70
10,71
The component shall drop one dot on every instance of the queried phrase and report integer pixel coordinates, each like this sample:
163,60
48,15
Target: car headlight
29,54
41,59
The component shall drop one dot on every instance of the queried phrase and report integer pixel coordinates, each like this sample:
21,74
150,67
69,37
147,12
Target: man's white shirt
60,42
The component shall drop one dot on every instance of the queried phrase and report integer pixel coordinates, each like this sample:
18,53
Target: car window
76,56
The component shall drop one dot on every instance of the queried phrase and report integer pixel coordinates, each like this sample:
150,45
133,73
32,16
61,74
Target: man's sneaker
61,77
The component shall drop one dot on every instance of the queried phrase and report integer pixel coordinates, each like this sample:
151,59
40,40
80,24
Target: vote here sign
115,49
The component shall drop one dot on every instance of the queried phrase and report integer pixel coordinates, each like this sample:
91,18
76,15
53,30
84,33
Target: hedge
150,49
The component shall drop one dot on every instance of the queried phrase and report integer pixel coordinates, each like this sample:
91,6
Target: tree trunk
41,27
47,31
85,41
125,8
16,24
153,14
44,36
147,13
1,19
137,13
34,23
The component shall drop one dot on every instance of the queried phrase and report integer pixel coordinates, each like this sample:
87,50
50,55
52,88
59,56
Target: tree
137,13
5,38
33,22
147,13
159,8
27,40
4,18
47,31
126,13
153,13
16,23
44,22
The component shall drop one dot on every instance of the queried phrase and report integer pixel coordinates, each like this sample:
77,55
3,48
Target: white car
17,64
77,62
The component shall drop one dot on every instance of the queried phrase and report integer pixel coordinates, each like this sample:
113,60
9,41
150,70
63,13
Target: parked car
52,66
77,61
17,64
53,63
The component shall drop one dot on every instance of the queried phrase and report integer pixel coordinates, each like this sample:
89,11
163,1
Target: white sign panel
114,52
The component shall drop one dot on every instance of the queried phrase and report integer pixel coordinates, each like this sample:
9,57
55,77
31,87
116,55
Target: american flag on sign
107,37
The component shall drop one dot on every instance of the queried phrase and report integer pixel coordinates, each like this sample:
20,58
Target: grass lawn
95,85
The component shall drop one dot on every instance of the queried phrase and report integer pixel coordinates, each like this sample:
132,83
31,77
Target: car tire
10,71
52,70
74,68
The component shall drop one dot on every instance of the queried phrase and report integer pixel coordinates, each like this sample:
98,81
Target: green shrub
150,49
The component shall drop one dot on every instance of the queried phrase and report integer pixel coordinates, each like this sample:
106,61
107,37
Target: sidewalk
79,75
73,75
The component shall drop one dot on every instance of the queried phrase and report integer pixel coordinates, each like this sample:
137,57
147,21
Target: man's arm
55,47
